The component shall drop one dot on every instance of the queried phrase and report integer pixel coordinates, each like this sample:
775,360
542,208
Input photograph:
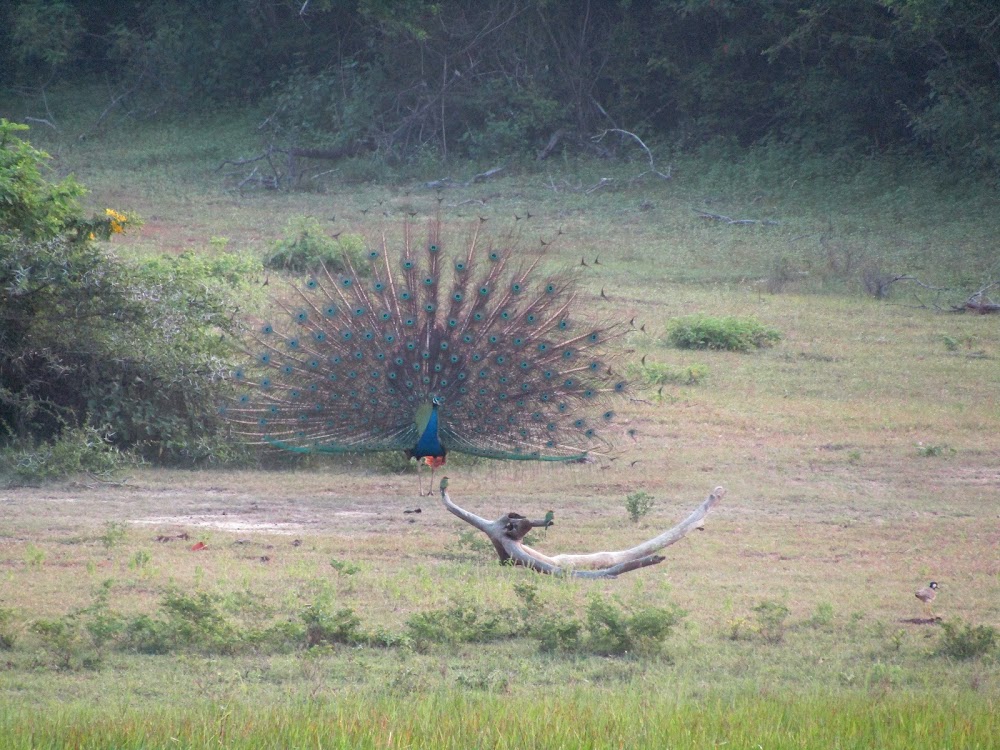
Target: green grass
860,455
641,717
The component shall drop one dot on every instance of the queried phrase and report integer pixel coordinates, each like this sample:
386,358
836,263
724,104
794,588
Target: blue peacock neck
429,444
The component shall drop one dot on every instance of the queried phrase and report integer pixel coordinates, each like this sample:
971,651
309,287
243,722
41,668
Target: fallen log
507,534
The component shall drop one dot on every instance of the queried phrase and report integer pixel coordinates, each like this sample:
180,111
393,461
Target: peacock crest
428,352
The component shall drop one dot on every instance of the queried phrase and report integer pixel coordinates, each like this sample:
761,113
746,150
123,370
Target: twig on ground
652,162
730,220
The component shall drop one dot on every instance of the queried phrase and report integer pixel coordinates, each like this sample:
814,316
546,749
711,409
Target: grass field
861,458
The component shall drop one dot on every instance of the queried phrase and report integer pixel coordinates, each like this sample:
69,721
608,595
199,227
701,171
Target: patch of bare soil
273,503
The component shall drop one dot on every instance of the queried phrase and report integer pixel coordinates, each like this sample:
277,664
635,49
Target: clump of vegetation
100,353
605,627
463,622
934,451
471,545
721,333
963,640
613,630
306,248
652,374
638,505
771,617
326,625
115,532
822,618
8,635
78,450
344,567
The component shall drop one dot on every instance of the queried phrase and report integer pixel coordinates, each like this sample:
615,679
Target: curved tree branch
507,532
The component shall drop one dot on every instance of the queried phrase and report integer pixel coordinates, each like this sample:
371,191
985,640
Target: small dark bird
549,516
928,594
424,352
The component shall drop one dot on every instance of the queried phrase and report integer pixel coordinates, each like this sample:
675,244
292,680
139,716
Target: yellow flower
117,220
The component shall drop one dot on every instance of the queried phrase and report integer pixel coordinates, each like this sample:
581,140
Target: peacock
427,352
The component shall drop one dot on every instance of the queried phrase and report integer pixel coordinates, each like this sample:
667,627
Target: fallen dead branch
507,534
652,164
979,302
730,220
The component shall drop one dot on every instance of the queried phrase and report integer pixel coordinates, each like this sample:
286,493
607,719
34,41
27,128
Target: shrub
463,622
658,373
934,451
614,631
963,640
306,248
133,348
33,207
196,620
638,505
822,618
114,532
324,625
725,333
78,450
8,635
556,632
771,616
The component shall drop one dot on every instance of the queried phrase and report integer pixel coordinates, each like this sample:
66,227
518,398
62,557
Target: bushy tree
134,347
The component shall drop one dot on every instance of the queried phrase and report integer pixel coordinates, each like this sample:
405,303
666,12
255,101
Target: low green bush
463,622
8,633
327,625
306,247
638,505
652,374
78,450
963,640
771,620
613,630
721,333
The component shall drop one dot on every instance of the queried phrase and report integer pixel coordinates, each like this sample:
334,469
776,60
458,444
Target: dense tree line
482,77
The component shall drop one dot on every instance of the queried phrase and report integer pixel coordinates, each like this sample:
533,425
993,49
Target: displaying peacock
424,352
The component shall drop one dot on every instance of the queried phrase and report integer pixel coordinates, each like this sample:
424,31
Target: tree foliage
513,76
134,348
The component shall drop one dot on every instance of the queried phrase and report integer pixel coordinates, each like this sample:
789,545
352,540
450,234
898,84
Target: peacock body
428,353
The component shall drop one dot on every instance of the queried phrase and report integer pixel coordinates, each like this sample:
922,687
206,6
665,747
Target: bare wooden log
507,533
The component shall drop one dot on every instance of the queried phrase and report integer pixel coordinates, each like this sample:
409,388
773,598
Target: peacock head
436,401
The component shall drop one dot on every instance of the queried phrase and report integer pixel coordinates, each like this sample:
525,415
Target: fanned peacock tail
426,353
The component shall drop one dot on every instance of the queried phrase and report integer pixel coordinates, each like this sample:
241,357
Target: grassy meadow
860,454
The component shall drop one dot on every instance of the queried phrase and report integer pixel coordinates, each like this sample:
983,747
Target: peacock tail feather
428,353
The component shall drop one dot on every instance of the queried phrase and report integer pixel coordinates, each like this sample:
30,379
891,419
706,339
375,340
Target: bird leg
434,462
